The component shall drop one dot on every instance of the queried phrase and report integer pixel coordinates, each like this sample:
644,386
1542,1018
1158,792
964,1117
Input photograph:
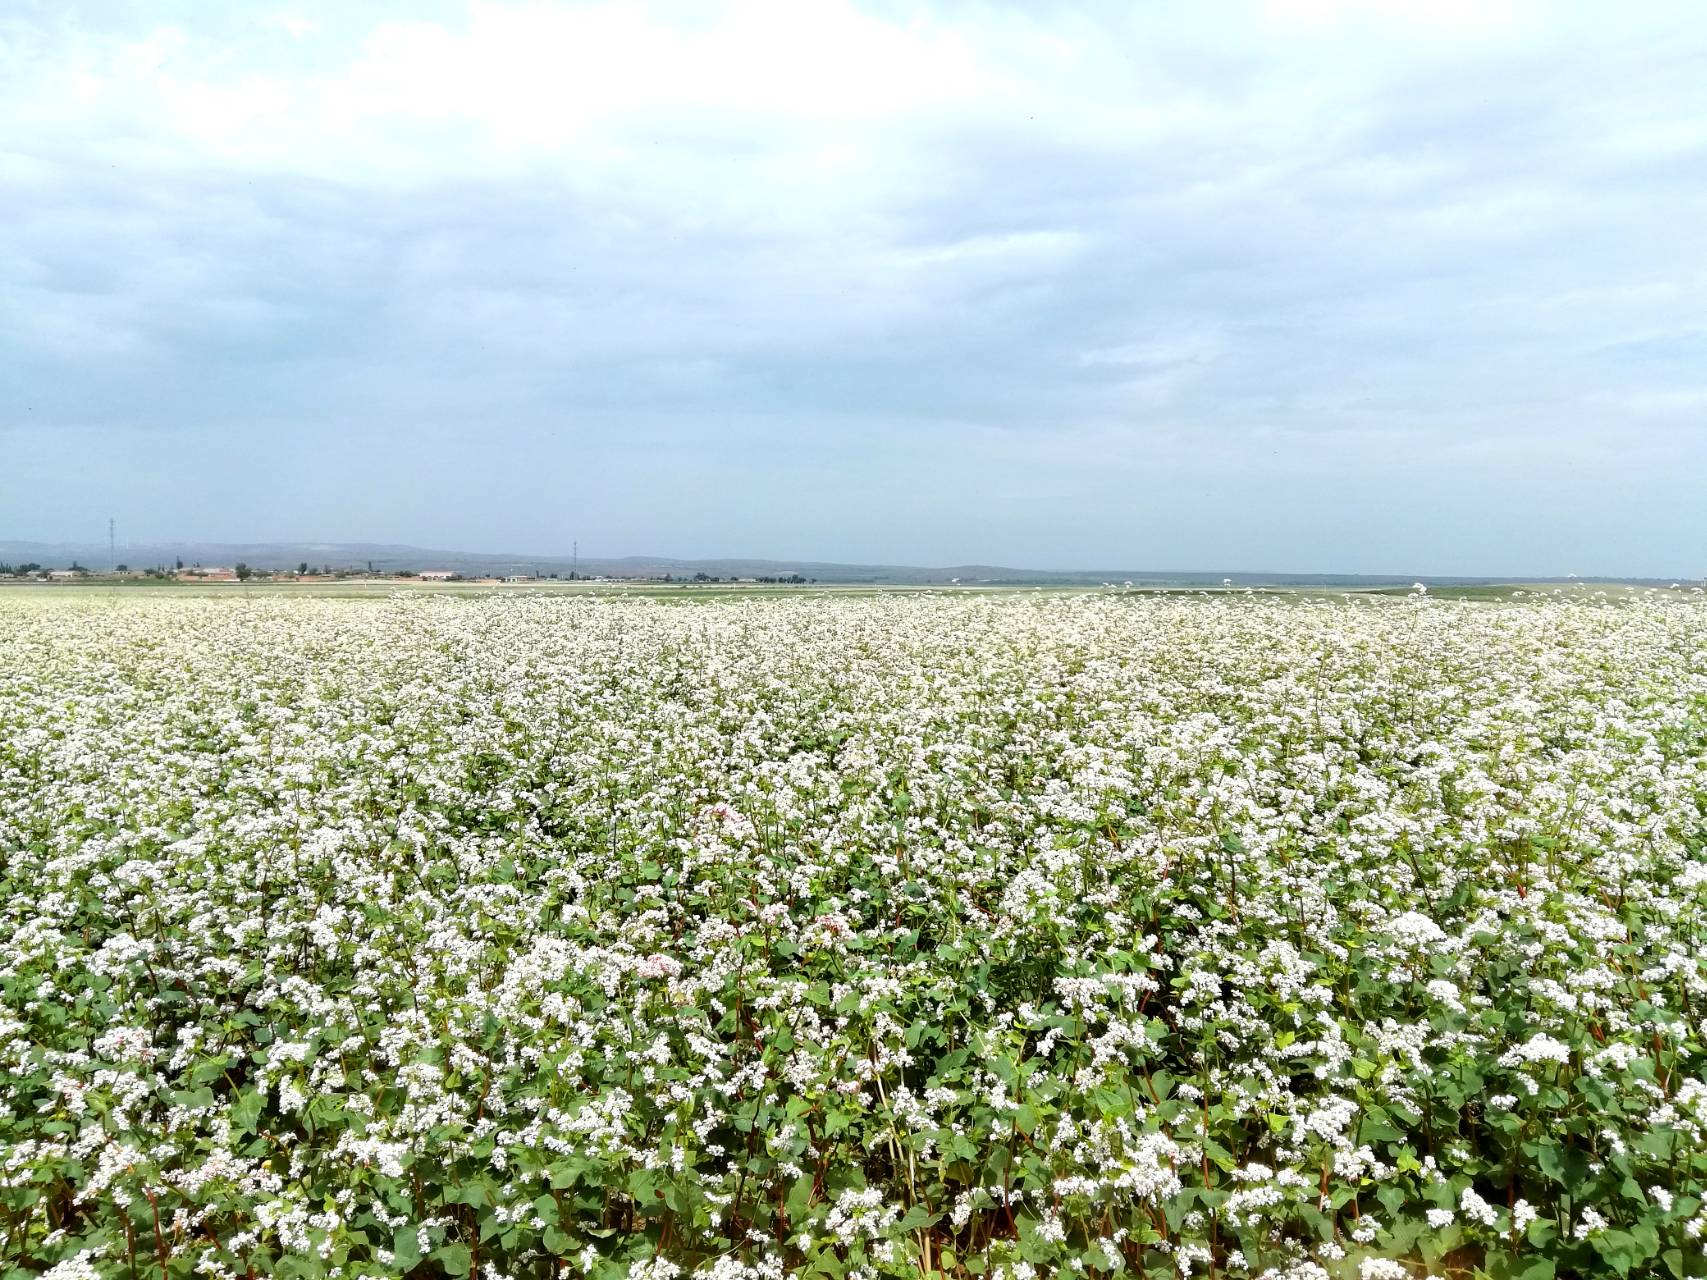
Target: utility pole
576,561
112,554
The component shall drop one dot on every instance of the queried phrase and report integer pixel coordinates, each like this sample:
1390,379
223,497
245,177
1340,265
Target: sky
1302,285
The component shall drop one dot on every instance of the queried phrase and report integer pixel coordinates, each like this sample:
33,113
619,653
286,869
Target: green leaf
476,1193
1549,1157
406,1244
824,1262
799,1202
454,1258
1618,1249
916,1217
565,1174
246,1111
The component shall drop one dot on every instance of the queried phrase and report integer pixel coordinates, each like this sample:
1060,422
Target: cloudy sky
1416,285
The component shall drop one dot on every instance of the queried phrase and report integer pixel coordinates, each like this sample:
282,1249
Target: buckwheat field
1009,936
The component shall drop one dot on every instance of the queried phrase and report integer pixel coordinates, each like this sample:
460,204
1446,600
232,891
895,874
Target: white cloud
1449,19
293,25
1666,403
512,90
649,103
1163,351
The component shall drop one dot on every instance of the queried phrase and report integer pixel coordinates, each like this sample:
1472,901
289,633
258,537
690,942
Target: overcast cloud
1305,286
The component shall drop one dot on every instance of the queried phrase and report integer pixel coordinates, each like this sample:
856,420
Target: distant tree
303,568
244,572
180,565
124,568
27,569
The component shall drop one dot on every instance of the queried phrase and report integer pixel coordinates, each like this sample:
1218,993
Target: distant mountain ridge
394,557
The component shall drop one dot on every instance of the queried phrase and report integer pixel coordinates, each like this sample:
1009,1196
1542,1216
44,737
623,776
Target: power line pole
112,554
576,571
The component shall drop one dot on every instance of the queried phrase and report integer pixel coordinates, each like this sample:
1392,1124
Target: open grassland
552,935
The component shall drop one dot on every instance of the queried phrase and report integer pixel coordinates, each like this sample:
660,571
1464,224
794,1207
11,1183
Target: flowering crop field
850,937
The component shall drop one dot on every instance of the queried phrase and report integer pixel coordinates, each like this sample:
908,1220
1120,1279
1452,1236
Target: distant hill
392,558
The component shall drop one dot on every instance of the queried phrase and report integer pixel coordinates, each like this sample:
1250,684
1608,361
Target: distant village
307,573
